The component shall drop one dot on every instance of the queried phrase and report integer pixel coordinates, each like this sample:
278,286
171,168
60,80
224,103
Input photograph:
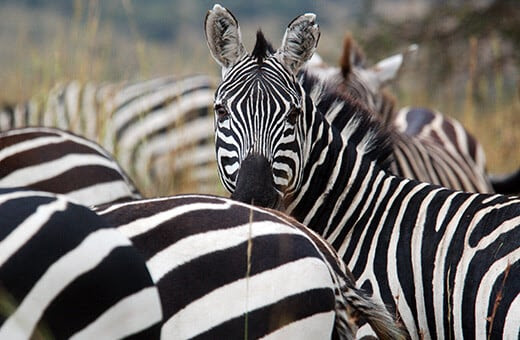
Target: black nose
255,183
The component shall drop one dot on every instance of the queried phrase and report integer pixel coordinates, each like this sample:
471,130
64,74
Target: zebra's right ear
299,42
223,36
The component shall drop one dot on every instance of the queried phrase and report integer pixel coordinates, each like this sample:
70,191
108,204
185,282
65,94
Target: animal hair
364,131
262,48
352,55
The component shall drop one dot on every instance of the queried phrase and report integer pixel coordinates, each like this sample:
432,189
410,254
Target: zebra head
260,108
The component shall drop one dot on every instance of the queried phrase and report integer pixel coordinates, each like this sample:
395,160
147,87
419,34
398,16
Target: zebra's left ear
299,42
223,36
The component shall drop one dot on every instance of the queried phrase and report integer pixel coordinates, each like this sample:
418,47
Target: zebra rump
229,270
455,145
65,274
57,161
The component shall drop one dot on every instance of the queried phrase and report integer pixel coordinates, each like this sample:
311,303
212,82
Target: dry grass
45,47
482,97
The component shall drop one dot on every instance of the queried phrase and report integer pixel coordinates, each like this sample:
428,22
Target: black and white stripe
197,249
65,274
439,132
57,161
447,261
228,270
427,145
460,156
159,130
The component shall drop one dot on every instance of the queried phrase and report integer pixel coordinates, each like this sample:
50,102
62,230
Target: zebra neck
338,175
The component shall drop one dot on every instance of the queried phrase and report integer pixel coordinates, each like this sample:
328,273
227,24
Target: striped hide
159,130
437,150
448,262
229,270
57,161
65,274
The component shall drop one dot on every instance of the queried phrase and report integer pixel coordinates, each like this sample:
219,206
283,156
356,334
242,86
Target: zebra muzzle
255,184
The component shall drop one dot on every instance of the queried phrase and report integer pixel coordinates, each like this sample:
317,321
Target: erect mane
350,118
262,48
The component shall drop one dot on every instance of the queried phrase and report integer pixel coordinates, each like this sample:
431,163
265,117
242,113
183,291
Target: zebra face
260,108
258,124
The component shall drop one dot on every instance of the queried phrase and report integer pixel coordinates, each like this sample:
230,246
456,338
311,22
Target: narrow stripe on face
263,106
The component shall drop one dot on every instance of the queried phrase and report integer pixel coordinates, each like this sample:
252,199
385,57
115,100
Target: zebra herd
156,129
324,236
176,267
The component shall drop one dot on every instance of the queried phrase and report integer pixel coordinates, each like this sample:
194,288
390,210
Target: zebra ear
353,56
299,42
223,36
387,69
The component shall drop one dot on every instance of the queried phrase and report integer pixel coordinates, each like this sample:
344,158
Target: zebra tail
508,184
382,322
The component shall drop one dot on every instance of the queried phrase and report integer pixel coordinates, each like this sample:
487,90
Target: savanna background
467,65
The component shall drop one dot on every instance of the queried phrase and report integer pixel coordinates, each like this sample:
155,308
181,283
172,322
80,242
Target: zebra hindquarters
64,274
227,270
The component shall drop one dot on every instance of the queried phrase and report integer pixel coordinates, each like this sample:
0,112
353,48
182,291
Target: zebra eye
221,112
293,114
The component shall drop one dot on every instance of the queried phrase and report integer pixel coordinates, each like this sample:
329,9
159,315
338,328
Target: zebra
428,146
225,269
52,160
447,262
432,127
149,145
159,130
64,273
366,84
163,229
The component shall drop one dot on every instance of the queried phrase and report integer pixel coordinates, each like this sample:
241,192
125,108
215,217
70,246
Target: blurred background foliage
467,65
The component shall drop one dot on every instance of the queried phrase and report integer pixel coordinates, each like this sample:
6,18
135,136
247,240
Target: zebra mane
262,48
351,119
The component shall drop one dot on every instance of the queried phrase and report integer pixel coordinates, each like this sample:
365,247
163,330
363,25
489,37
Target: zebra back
159,130
451,142
57,161
65,274
256,272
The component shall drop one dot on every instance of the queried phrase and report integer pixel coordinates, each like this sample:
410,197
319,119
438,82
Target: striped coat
65,274
230,270
158,130
448,262
427,145
57,161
